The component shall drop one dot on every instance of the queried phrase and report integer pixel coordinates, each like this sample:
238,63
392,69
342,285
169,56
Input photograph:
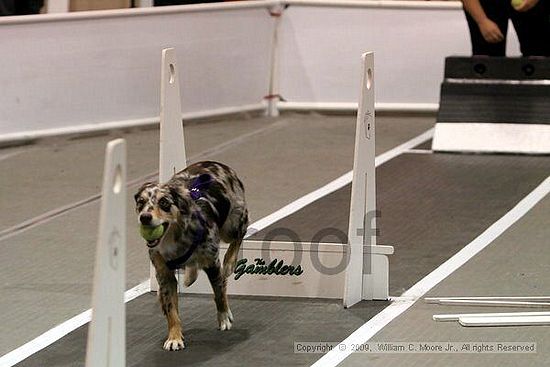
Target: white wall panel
321,48
76,70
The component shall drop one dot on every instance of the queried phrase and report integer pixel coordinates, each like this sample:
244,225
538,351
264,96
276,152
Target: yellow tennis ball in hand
150,233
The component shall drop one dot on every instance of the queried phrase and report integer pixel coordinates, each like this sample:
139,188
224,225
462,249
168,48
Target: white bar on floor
505,321
107,332
505,298
456,316
466,302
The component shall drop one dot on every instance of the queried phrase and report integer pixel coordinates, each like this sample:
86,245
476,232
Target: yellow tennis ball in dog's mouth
150,233
516,3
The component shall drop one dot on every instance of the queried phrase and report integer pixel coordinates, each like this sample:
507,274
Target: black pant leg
497,11
533,29
26,7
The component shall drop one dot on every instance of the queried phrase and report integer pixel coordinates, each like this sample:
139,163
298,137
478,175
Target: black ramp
494,103
495,90
431,206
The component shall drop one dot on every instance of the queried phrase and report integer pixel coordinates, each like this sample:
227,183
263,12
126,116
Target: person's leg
25,7
533,29
496,11
7,7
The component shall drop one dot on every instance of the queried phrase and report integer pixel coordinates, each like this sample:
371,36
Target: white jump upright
353,269
172,157
367,275
107,333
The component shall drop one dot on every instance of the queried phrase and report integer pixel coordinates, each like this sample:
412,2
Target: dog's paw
225,320
174,344
189,276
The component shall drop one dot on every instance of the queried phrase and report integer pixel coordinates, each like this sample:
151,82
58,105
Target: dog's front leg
168,297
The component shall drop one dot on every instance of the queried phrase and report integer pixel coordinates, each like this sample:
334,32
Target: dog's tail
230,258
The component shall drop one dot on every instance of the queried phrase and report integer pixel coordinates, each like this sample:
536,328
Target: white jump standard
350,271
107,333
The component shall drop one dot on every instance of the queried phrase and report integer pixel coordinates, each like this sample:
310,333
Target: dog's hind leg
168,297
219,286
190,275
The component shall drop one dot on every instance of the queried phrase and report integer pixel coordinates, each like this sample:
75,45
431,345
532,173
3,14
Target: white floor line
374,325
334,185
56,333
9,155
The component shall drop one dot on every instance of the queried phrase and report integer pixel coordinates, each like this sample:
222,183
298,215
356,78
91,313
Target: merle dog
198,207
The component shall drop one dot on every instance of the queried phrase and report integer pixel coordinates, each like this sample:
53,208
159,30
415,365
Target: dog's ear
179,201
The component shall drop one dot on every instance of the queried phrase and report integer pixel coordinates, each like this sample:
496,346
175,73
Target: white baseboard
352,107
124,124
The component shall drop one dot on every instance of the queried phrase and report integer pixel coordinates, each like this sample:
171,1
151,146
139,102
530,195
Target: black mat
264,333
432,206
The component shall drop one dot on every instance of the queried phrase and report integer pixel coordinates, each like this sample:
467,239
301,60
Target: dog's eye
165,204
140,202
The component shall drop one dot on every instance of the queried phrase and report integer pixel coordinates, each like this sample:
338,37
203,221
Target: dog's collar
195,193
201,182
199,237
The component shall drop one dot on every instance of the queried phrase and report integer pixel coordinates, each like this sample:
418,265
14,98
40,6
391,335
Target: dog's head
158,204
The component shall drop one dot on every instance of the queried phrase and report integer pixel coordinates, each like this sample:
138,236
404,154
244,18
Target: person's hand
526,5
490,31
